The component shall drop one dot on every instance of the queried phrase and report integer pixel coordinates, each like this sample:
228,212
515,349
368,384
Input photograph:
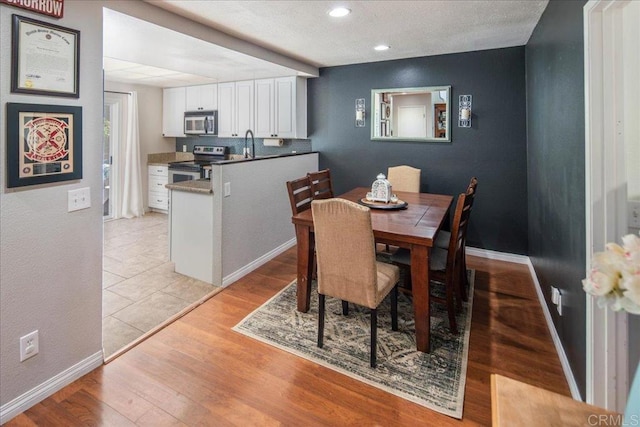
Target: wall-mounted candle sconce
360,113
464,111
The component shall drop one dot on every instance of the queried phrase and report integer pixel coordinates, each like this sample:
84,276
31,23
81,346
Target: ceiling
139,52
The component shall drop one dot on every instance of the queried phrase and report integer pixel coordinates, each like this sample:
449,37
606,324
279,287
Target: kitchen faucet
253,145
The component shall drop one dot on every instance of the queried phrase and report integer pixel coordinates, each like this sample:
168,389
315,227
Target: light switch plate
227,189
78,199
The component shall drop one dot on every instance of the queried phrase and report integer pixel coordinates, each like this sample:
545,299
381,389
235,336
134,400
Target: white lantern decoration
381,189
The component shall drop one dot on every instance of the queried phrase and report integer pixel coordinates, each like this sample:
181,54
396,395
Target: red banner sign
53,8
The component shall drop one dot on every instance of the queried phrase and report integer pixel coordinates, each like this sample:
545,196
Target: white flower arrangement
615,276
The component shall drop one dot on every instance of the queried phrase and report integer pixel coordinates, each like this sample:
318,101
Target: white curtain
132,203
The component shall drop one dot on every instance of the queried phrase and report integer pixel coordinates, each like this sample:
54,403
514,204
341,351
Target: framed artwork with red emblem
45,58
44,144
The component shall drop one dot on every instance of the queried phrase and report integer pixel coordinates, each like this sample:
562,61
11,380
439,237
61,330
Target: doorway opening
113,125
611,63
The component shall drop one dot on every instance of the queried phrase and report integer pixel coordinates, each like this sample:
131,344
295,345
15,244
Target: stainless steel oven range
203,155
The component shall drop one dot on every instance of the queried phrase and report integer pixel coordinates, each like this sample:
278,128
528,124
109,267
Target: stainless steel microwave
201,123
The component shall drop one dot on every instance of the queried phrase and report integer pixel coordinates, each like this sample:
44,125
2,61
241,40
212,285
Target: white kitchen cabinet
235,108
173,108
202,97
158,193
281,108
264,102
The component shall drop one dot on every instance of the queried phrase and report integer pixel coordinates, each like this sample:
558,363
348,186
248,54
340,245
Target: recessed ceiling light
339,12
382,47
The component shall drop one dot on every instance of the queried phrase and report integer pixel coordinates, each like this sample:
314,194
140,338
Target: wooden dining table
414,227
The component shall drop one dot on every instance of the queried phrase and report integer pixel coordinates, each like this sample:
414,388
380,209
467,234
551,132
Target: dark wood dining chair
300,198
443,237
321,185
300,195
446,265
347,265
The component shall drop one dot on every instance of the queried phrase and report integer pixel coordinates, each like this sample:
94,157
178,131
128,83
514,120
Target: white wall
256,218
51,260
150,125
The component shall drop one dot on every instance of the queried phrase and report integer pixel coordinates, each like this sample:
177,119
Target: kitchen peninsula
223,228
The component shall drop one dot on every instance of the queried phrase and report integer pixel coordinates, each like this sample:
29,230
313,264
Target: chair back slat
459,227
321,185
300,195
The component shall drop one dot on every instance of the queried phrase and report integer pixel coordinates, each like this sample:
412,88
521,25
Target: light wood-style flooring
197,371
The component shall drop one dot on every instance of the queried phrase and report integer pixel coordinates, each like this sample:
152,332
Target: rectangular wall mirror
411,114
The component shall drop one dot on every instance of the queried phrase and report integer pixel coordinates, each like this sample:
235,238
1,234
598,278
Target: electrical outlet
29,346
556,298
78,199
634,214
227,189
559,304
184,148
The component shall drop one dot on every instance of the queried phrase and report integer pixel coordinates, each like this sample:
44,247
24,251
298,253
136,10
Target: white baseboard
47,388
500,256
236,275
568,373
522,259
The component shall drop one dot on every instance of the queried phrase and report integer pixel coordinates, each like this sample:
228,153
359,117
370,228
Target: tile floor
140,288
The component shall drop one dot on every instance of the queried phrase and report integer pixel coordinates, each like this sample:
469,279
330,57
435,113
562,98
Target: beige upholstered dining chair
347,266
446,265
321,185
442,240
404,178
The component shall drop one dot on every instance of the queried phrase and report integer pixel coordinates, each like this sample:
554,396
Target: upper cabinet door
202,98
173,107
285,107
291,107
244,107
226,109
265,111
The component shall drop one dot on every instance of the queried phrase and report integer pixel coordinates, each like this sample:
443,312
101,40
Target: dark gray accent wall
556,170
494,149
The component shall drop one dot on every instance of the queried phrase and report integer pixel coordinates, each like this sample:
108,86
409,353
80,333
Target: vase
632,412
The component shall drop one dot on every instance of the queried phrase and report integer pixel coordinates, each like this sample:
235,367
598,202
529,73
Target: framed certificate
45,58
44,144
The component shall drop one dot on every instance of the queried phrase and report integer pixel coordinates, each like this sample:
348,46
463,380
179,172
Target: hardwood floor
197,371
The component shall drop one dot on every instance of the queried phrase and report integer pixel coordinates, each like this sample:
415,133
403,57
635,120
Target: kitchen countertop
194,186
163,159
241,159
